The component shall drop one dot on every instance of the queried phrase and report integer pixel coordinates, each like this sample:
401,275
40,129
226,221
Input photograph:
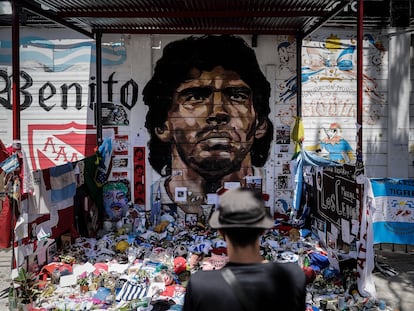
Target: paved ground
5,271
397,291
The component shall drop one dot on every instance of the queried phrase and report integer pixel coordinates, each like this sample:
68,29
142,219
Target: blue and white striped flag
10,164
132,291
62,182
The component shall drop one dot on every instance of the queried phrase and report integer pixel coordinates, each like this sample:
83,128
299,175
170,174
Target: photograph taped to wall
121,144
118,175
191,220
113,114
139,171
139,154
181,194
139,175
207,210
283,134
119,162
283,182
286,168
284,148
254,183
51,252
65,240
282,157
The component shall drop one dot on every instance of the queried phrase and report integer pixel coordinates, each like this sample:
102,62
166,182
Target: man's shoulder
206,280
206,274
286,266
275,269
290,270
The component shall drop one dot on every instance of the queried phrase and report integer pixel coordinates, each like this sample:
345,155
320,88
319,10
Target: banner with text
393,217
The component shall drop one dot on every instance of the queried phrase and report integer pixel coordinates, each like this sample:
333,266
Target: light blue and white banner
393,215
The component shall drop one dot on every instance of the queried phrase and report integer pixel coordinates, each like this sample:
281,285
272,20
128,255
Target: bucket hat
240,208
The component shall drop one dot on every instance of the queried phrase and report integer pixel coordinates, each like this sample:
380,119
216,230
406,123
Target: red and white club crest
56,144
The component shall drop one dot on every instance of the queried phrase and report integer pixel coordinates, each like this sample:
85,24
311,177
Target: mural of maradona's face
212,123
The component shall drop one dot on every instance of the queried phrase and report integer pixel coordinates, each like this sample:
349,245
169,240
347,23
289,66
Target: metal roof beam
184,14
338,8
37,10
198,31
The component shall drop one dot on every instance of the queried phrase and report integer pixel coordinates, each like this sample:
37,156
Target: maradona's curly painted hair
203,53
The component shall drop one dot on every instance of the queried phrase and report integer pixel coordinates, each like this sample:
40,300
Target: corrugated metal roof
202,16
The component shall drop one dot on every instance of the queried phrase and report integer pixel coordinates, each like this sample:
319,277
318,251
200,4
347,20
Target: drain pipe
299,41
16,70
98,104
360,92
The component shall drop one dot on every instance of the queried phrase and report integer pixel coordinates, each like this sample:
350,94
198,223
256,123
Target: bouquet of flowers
83,279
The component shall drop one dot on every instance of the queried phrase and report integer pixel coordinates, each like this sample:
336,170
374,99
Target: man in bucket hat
247,282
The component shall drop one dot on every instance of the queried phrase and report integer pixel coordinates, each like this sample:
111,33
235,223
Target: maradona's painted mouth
216,141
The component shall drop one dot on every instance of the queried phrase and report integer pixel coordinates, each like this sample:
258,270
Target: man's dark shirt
269,286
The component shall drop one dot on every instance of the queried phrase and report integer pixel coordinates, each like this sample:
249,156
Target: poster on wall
337,206
393,217
121,144
139,175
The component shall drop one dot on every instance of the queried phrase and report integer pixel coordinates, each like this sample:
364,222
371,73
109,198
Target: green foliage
27,289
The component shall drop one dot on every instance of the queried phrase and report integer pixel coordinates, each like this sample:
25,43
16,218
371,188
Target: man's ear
261,128
163,133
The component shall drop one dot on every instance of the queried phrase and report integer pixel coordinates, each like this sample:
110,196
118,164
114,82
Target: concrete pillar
398,104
